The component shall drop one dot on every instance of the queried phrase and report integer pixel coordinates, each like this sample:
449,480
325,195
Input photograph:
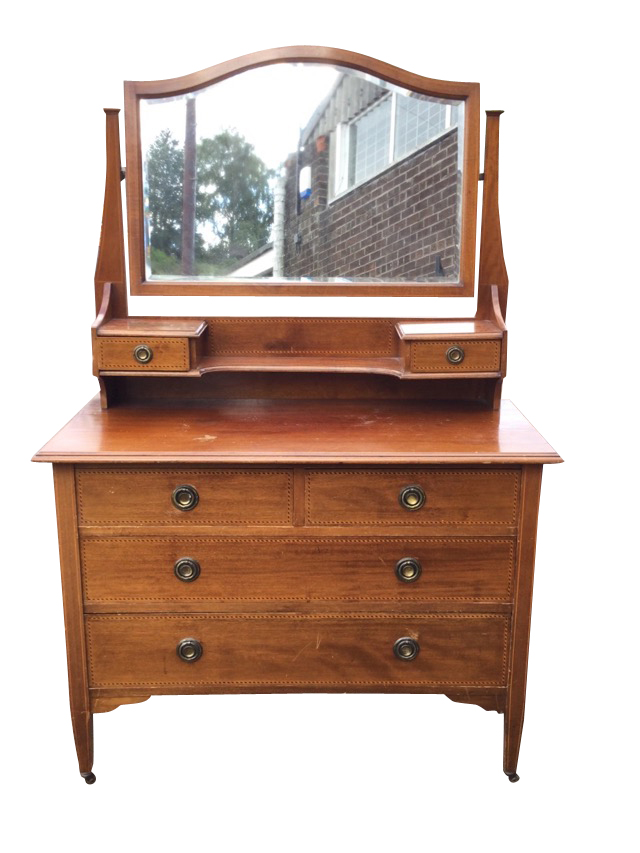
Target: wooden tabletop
306,431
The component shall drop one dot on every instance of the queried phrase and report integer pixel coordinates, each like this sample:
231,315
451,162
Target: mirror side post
492,269
110,266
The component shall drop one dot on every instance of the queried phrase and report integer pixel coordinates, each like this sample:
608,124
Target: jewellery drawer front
297,651
455,356
219,572
144,354
415,497
183,496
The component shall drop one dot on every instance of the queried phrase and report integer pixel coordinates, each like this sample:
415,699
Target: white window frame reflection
343,146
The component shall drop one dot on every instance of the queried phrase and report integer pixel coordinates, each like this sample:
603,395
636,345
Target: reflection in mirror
302,171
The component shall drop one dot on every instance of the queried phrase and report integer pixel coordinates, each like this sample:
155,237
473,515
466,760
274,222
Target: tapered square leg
523,592
70,568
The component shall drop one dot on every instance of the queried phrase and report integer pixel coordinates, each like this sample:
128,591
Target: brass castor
89,778
513,777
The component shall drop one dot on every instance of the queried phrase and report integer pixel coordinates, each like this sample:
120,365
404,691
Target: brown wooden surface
290,649
126,573
110,266
81,717
468,92
103,705
159,327
490,700
365,345
312,431
461,330
350,337
105,313
166,391
492,269
430,356
336,364
137,496
170,354
367,497
519,651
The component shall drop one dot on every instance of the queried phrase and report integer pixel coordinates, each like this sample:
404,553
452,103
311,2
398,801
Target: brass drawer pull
408,569
187,569
189,650
412,497
406,648
185,498
455,355
143,354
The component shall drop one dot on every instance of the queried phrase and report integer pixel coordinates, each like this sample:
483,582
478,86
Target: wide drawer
296,651
287,569
369,497
124,496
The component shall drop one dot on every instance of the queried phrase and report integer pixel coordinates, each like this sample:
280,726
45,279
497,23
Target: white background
341,773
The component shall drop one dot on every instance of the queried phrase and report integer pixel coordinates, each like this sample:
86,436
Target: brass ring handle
406,648
187,569
143,354
408,569
185,498
189,650
455,355
412,497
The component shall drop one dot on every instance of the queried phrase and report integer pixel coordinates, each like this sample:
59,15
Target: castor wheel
513,777
89,778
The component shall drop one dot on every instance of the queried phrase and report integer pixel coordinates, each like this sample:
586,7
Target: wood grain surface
272,431
140,496
366,496
431,356
168,353
311,651
260,572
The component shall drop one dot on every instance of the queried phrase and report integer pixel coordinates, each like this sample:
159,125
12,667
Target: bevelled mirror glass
303,172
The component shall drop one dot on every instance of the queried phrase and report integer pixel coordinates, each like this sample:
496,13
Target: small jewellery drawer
414,497
237,571
145,354
455,356
124,496
297,651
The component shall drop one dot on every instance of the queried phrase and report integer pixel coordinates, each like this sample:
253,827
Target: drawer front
375,497
146,496
297,651
153,354
455,356
248,569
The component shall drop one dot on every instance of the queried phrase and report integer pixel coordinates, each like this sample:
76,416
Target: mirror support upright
110,266
492,269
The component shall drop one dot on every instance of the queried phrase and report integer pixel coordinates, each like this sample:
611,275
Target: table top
299,431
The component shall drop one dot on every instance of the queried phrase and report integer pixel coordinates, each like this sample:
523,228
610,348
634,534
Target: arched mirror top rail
302,53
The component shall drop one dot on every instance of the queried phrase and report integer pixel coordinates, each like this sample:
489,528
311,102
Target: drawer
249,569
296,651
412,497
123,496
144,354
455,356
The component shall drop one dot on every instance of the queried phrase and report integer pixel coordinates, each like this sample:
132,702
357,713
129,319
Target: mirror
303,172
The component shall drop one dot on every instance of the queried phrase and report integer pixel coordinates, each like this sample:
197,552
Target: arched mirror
302,170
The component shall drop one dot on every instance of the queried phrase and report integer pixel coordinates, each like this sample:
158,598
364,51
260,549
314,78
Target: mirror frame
134,91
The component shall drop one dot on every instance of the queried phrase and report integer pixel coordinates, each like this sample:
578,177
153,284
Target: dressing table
257,505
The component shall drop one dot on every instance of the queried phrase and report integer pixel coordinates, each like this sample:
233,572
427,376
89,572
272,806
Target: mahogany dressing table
299,504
